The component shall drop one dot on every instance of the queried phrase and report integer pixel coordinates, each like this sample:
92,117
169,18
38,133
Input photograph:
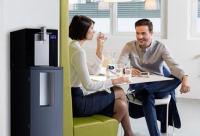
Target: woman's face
90,32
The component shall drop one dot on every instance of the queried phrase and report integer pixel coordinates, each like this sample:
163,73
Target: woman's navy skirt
99,102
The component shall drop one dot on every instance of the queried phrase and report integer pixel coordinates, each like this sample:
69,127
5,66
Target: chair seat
162,101
96,125
165,100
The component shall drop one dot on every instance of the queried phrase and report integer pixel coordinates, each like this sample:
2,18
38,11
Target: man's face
143,35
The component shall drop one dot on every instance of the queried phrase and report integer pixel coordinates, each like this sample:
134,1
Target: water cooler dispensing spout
43,34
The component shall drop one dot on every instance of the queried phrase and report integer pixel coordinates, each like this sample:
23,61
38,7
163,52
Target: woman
107,100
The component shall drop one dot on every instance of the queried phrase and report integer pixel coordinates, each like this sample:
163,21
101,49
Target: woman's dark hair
144,22
79,26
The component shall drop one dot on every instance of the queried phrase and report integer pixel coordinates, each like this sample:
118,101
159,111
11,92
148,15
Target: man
147,55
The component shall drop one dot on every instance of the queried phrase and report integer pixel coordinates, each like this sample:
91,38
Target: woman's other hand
120,80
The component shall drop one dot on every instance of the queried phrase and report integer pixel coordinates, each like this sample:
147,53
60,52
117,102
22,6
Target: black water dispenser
36,83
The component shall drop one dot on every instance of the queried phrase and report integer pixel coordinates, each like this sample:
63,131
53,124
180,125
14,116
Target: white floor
189,111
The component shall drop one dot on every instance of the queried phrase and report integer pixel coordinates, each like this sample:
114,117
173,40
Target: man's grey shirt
152,60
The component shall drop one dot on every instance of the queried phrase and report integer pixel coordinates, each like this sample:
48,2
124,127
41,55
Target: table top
135,80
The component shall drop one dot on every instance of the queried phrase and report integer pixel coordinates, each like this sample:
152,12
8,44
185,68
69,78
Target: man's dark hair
144,22
79,26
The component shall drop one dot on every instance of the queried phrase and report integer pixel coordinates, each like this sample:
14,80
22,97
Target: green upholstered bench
96,125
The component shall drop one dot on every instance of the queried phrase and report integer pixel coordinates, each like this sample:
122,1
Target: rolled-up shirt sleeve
124,56
174,67
81,67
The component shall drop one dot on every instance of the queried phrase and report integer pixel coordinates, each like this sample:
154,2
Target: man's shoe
130,96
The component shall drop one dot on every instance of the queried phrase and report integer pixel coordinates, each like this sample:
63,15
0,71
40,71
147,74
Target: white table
135,80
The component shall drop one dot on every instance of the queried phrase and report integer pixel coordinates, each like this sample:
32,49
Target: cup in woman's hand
100,35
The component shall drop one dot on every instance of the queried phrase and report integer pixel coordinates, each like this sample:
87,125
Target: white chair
163,101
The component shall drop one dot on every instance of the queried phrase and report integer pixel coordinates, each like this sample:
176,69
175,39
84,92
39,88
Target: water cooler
36,83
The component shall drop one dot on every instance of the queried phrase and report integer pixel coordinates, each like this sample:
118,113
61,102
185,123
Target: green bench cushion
96,125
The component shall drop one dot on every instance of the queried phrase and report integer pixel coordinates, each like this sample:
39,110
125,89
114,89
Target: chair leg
167,119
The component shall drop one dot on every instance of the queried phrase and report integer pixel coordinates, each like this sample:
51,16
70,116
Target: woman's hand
136,72
100,37
120,80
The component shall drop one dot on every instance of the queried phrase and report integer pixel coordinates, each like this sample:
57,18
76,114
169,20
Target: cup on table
128,72
119,69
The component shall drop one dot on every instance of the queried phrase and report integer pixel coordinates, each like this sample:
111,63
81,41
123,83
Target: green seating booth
96,125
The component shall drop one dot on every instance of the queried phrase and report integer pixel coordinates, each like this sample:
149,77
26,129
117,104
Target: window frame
113,22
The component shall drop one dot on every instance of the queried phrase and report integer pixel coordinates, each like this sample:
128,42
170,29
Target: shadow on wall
196,57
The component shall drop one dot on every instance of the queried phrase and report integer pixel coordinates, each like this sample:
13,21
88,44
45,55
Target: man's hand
185,87
136,72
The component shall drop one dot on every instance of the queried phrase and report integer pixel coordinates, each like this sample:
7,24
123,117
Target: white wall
186,52
2,82
15,15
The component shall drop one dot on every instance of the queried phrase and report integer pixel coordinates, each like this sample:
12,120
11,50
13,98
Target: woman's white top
80,70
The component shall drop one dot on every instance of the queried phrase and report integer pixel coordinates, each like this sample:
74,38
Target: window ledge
193,38
133,36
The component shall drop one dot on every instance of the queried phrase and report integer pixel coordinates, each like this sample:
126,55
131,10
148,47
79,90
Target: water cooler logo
111,67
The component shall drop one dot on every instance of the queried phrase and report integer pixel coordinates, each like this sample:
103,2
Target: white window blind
198,18
135,10
129,12
119,18
99,12
198,8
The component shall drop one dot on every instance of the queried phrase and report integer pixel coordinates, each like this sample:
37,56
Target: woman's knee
117,89
119,92
120,105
